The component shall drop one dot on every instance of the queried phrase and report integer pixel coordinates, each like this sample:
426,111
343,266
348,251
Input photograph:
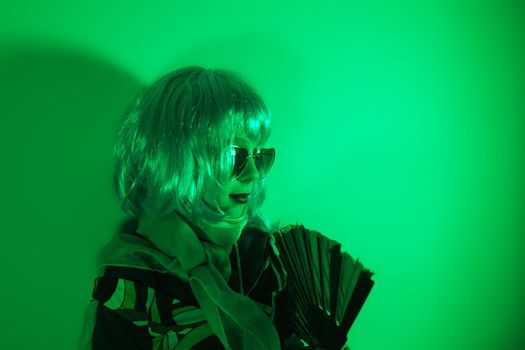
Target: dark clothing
145,309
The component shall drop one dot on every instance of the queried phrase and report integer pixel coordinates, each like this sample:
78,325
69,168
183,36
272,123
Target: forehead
243,138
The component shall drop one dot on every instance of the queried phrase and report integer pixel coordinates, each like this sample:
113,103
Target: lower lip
238,201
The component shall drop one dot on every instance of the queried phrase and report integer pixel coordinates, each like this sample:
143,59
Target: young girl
200,270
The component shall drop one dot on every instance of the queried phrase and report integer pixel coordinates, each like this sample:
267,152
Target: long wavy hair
171,146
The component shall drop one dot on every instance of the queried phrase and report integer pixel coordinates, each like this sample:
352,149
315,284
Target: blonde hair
171,145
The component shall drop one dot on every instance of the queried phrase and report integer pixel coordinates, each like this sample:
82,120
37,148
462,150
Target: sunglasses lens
240,161
263,161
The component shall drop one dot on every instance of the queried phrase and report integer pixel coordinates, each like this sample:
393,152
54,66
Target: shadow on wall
60,109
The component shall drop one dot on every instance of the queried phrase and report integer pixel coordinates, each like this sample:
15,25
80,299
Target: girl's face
245,183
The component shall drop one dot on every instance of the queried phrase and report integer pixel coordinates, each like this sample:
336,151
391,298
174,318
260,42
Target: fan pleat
313,262
300,256
362,290
335,271
324,267
298,285
346,287
301,240
301,288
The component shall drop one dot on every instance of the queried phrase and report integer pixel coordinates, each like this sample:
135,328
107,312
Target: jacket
134,308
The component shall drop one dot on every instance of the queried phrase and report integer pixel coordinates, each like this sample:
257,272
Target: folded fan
327,287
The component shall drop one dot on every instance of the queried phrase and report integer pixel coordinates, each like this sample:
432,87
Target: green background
398,127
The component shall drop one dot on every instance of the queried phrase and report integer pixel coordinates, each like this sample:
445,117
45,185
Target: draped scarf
235,318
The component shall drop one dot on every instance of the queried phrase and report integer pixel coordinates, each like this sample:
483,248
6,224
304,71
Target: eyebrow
237,139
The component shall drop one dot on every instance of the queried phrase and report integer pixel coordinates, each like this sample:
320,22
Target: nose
250,172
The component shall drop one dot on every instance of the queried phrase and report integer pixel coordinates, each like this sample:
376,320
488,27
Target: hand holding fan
327,287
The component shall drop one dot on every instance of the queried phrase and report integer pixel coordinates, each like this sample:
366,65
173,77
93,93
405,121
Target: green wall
398,126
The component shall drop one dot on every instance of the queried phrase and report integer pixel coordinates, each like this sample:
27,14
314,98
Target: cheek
225,201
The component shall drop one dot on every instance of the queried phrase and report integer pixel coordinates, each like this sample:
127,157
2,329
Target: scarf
235,318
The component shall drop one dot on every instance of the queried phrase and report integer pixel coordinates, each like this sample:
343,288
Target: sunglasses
263,158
